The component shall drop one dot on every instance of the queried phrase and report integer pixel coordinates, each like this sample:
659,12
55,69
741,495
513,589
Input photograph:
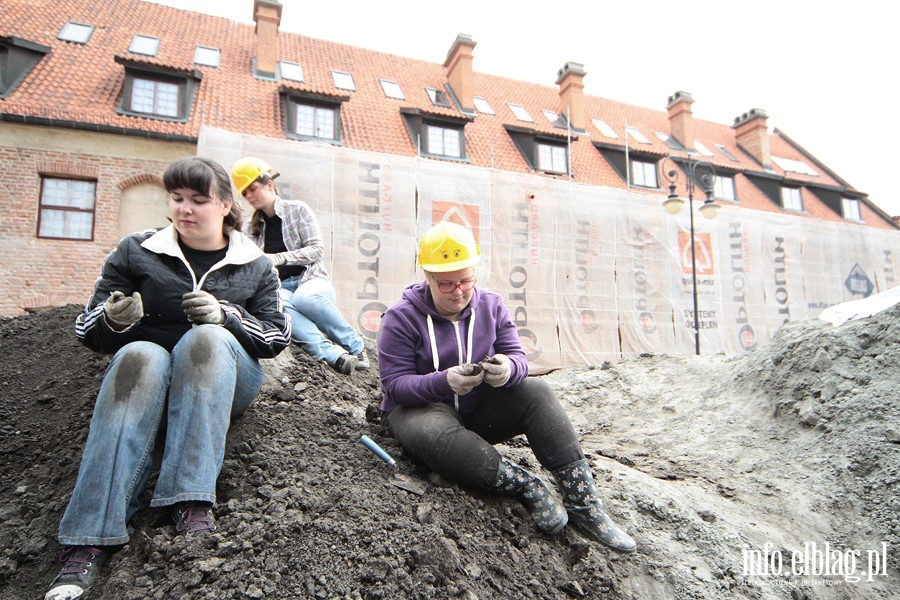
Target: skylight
291,70
438,97
669,141
144,44
702,149
482,106
392,89
604,128
520,112
797,166
76,32
343,80
727,152
553,117
636,135
204,55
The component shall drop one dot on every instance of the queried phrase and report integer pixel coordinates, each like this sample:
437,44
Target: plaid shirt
300,231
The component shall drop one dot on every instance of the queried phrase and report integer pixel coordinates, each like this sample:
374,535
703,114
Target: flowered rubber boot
548,514
586,512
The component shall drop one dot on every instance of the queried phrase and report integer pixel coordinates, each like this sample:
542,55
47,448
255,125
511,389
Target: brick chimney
752,134
267,14
570,80
459,71
681,119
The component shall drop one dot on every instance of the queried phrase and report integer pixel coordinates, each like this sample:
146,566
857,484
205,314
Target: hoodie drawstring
434,352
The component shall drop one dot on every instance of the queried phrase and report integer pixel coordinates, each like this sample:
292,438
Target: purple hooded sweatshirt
407,344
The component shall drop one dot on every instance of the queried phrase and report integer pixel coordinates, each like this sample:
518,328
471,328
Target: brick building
97,97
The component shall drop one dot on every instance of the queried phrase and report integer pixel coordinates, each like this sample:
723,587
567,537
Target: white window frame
644,174
154,97
551,158
78,33
67,208
791,199
443,140
317,121
851,209
604,128
343,80
635,134
702,149
723,188
290,70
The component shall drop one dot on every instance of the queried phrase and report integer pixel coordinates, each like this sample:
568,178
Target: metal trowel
404,482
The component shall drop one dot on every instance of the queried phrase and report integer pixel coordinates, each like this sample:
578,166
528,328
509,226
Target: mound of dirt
705,460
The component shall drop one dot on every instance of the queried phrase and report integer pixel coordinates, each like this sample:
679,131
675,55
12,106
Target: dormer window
79,33
723,188
313,116
851,209
144,44
157,92
552,158
436,135
544,152
443,140
17,58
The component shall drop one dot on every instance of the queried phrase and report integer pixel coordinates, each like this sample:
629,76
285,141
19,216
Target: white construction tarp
588,273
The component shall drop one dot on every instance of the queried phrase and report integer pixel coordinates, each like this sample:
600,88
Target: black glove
123,311
464,378
202,307
497,370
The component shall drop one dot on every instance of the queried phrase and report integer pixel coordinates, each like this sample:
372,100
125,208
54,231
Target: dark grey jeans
460,447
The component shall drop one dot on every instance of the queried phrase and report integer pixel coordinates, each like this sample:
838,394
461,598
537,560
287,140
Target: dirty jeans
317,325
459,447
208,378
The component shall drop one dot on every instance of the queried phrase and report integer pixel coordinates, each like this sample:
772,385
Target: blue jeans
208,378
317,325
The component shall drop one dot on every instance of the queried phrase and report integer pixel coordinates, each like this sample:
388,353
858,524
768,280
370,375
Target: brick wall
38,273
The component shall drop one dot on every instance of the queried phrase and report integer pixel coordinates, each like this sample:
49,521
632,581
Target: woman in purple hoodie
454,377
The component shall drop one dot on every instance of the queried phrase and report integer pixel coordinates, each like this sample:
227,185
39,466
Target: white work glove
202,307
464,378
277,259
496,370
123,311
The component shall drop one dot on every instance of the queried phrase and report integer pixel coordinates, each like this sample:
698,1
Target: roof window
144,44
76,32
727,152
482,106
392,89
438,97
702,149
797,166
343,80
604,128
520,112
635,134
204,55
291,70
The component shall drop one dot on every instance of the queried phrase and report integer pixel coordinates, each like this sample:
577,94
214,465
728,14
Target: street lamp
709,209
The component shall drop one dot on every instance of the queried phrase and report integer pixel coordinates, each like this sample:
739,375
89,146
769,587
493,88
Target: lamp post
709,209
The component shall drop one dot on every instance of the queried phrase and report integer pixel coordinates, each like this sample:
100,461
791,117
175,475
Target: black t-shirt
274,243
202,260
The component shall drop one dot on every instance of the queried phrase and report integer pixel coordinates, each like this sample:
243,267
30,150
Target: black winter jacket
151,262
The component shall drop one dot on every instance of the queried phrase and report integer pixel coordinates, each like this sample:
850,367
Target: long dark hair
257,216
207,177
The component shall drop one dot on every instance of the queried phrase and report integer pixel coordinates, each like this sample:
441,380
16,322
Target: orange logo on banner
703,253
466,215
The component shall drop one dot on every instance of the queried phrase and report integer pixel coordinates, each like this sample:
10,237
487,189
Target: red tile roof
82,84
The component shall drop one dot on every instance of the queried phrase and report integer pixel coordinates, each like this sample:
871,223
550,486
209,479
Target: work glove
202,307
277,259
123,311
464,378
496,370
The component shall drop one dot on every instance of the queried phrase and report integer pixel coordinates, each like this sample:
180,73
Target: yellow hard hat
247,170
448,247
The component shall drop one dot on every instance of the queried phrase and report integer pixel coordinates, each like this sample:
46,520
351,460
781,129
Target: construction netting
588,273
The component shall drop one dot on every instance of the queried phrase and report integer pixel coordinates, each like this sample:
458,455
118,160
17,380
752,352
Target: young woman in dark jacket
187,311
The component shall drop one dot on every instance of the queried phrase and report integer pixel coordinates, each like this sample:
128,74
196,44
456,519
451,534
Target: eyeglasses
448,287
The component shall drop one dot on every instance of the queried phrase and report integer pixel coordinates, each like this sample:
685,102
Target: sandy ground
731,473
